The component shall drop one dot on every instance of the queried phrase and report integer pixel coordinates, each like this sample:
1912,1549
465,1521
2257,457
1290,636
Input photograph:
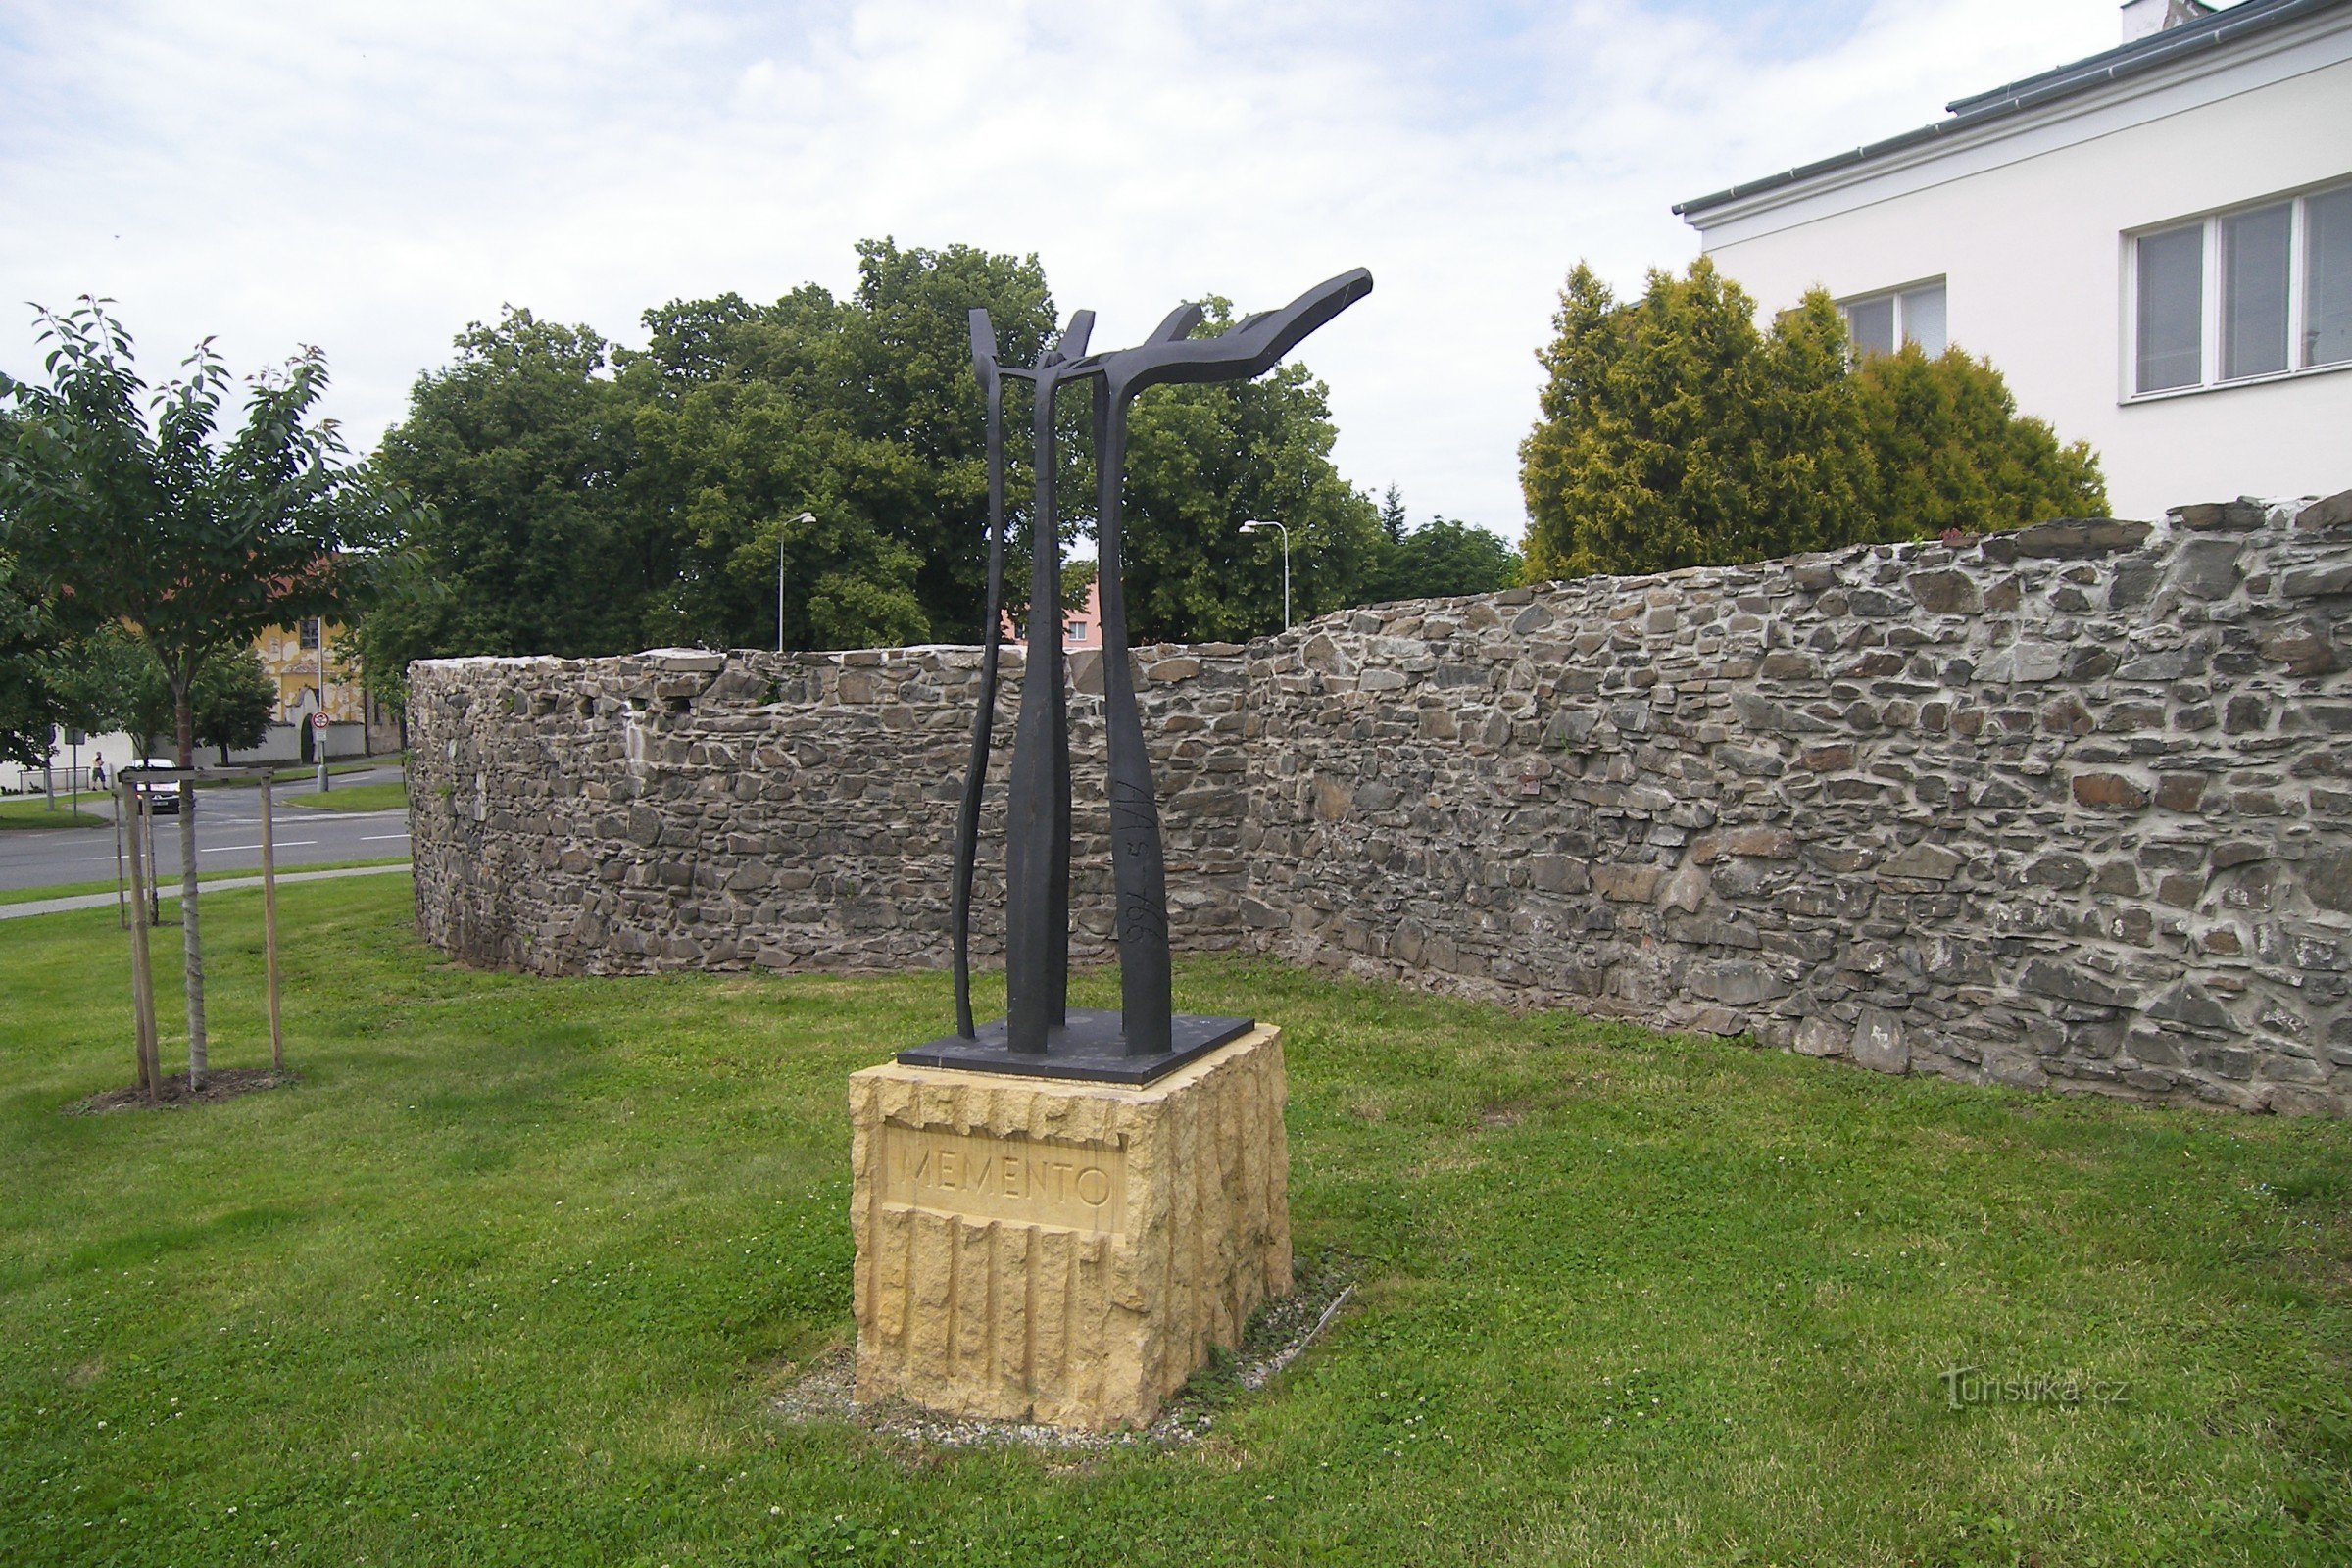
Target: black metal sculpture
968,822
1040,1034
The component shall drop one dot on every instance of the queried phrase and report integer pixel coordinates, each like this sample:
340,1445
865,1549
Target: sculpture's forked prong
1037,808
1248,347
984,344
967,817
1071,345
1177,325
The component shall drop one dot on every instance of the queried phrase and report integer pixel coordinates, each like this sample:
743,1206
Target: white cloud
371,179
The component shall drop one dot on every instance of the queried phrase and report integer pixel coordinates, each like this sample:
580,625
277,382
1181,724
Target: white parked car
163,798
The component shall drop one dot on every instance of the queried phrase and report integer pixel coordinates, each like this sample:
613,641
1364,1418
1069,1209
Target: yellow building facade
302,657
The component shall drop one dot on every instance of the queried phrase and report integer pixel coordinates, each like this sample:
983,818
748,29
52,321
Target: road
229,837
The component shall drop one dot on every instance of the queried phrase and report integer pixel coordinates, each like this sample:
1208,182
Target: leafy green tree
1204,460
105,680
521,450
1676,433
737,462
861,412
585,501
195,541
110,680
1077,580
910,429
234,699
578,500
407,618
29,709
1442,559
1952,452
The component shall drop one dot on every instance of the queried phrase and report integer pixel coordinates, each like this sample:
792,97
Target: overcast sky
373,178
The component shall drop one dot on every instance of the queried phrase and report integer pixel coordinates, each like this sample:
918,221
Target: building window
2254,267
309,632
2238,296
2172,308
2327,277
1878,323
1075,631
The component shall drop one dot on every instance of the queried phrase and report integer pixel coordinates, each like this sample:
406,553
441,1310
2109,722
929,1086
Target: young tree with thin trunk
129,506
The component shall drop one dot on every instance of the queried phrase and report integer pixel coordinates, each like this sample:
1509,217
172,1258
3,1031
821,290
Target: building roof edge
2140,55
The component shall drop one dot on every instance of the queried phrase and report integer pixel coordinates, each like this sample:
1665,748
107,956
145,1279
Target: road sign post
318,746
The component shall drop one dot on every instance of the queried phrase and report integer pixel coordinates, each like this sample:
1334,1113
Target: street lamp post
804,519
318,731
1254,526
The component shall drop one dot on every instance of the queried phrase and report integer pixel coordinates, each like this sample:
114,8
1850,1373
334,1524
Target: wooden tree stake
122,909
143,973
277,1033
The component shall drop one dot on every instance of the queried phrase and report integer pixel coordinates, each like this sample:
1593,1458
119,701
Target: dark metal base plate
1090,1048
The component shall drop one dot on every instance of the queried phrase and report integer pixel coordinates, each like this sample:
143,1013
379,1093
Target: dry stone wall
690,810
2069,807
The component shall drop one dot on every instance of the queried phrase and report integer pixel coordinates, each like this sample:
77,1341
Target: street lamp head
801,522
1258,525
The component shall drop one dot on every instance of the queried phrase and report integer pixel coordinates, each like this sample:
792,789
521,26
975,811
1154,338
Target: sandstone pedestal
1062,1251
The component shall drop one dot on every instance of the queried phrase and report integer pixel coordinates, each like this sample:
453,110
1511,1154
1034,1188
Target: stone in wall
2060,807
2057,807
689,809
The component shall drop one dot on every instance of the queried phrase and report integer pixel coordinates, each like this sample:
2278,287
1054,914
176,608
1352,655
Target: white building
2154,245
71,756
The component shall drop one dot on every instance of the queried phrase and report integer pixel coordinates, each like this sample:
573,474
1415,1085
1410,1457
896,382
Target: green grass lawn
294,773
511,1275
33,812
387,797
67,890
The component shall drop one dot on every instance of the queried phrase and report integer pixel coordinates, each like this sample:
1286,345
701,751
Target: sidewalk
104,901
